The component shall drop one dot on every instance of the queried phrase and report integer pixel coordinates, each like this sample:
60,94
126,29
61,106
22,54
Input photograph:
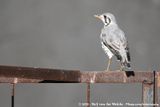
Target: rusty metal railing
150,80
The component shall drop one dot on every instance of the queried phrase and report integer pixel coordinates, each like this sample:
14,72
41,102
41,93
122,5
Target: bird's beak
97,16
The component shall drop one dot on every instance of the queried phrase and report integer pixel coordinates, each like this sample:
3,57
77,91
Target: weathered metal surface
147,94
150,80
35,75
88,95
27,74
158,78
158,88
155,88
116,77
19,80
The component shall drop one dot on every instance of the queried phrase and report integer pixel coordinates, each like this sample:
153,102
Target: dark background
63,34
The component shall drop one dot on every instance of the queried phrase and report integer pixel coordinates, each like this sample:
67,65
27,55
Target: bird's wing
115,41
128,53
110,47
125,44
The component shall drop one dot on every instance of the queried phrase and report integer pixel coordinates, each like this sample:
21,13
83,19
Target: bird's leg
109,63
121,67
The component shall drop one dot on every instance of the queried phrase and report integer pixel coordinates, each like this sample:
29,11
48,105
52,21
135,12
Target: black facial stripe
105,18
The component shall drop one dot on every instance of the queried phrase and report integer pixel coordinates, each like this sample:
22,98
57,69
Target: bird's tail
125,59
126,65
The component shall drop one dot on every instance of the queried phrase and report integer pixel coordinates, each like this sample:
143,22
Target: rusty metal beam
28,74
36,75
149,79
117,77
19,80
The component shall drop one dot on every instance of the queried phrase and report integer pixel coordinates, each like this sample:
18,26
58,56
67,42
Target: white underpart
107,51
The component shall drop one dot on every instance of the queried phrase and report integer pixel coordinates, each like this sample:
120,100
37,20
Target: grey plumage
113,40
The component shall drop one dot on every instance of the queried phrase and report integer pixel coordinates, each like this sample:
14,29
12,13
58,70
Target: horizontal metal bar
36,75
28,74
19,80
117,77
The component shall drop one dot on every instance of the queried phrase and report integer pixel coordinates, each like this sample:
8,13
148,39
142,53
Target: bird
113,41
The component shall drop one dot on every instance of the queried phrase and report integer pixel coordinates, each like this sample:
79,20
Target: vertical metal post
88,94
12,95
15,80
147,95
155,88
158,87
150,95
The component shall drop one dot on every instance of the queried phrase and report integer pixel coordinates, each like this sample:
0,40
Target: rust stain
35,75
28,74
158,79
19,80
116,77
147,93
13,75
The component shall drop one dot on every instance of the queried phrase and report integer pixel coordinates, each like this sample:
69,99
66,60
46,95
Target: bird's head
106,18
